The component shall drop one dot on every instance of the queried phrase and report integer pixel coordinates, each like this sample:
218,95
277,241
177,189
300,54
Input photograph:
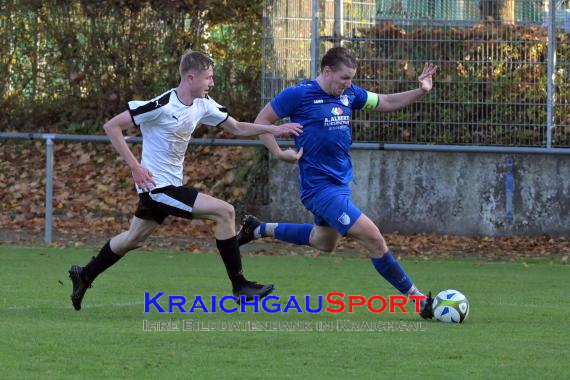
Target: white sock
269,230
415,292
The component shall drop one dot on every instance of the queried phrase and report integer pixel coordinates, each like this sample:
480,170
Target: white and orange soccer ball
451,306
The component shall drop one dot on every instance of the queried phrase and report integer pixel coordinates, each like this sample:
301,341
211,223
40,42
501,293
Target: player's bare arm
267,116
114,129
240,128
393,102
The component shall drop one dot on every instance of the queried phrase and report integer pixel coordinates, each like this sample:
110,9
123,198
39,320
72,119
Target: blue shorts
333,208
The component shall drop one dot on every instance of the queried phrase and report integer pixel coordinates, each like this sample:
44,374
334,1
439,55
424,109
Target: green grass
517,328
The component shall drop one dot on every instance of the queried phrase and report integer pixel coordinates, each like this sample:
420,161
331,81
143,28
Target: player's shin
229,250
392,271
294,233
100,263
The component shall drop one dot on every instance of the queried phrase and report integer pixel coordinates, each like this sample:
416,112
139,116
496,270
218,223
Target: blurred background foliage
491,88
66,66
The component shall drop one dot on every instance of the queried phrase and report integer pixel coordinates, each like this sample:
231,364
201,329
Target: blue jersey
326,137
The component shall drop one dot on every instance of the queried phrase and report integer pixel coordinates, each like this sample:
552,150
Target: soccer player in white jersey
167,123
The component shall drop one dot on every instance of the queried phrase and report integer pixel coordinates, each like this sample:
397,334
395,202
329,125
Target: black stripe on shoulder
221,108
223,121
132,117
152,105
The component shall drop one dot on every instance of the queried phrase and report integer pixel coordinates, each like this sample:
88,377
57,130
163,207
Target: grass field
517,327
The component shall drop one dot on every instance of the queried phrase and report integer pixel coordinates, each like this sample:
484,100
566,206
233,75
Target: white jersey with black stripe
167,125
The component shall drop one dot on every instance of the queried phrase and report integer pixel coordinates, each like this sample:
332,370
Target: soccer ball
450,306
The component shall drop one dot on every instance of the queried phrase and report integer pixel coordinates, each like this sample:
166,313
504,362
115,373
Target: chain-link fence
495,59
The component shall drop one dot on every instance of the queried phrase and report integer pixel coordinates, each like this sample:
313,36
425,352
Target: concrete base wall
447,193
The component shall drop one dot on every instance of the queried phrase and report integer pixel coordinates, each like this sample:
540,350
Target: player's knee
327,245
225,213
377,241
373,240
380,243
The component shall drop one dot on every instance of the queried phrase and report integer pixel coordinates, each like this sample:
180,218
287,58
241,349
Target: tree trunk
35,48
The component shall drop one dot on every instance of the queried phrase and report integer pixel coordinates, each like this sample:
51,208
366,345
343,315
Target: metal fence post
49,187
551,71
315,34
509,190
338,22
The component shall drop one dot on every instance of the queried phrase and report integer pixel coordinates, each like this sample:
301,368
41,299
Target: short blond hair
194,60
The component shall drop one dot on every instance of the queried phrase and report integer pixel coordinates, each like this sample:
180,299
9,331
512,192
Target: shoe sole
267,290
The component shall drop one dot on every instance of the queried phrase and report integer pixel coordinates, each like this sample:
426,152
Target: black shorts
168,200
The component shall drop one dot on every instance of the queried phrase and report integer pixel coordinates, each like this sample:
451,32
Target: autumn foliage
94,199
68,65
491,88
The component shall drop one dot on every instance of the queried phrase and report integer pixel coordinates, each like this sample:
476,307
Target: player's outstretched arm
393,102
268,116
114,129
240,128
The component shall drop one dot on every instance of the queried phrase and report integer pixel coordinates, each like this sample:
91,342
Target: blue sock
262,229
392,271
294,233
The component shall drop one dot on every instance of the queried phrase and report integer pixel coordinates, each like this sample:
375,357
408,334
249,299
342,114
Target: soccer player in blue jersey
323,106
